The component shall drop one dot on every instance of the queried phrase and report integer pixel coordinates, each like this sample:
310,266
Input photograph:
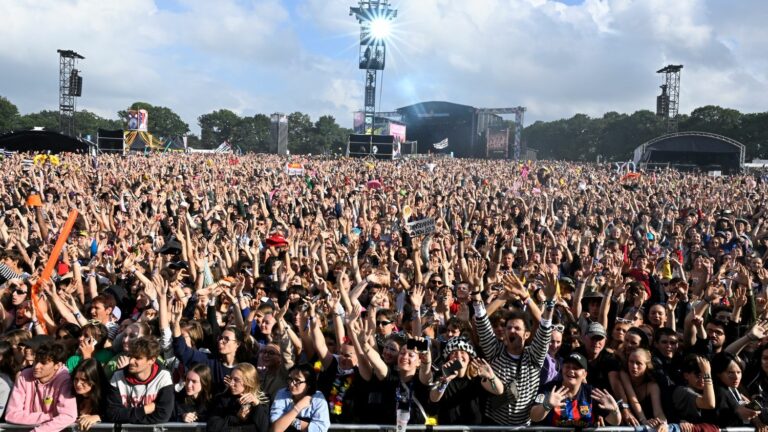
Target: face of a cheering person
347,357
463,358
228,342
573,375
390,352
408,361
516,335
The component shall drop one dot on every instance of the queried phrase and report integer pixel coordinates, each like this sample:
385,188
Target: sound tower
279,134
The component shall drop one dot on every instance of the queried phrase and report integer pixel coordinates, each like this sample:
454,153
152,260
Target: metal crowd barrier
200,427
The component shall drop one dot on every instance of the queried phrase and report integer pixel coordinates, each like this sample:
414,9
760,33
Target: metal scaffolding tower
70,87
668,103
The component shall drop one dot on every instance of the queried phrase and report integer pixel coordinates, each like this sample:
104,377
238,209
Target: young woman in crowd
300,405
88,382
643,395
464,381
244,406
193,400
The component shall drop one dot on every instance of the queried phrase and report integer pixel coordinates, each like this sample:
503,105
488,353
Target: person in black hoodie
192,400
244,407
142,393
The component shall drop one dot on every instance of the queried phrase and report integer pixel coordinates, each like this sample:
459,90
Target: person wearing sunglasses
300,406
14,295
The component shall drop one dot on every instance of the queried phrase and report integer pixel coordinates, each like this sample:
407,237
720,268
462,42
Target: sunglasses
20,292
558,328
624,321
383,323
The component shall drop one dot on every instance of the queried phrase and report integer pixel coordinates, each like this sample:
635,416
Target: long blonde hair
251,381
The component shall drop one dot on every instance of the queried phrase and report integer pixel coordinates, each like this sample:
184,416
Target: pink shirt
50,406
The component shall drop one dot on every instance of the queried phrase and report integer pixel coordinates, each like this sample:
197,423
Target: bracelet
706,376
78,314
297,410
549,304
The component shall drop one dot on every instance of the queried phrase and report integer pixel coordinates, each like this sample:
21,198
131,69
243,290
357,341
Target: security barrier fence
201,427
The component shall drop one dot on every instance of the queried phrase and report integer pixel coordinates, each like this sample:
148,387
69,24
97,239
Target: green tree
712,118
49,120
88,123
217,127
162,121
9,115
329,136
300,133
251,134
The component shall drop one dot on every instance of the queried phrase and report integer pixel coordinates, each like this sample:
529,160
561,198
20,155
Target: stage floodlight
381,28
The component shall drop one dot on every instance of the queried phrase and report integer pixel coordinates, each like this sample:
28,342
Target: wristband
549,304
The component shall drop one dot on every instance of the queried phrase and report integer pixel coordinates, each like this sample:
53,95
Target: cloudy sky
556,58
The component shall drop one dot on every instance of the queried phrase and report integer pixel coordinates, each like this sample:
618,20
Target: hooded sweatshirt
128,396
50,406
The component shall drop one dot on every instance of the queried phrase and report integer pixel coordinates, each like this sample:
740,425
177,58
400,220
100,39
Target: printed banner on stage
497,142
397,131
138,120
421,227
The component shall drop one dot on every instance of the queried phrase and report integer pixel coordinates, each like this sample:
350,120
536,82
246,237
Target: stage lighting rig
375,18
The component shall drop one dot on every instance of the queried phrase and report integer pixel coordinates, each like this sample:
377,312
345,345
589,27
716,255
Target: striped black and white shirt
505,366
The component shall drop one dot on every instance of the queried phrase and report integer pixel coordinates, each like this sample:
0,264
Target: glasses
558,328
296,382
20,292
383,323
225,339
436,282
624,321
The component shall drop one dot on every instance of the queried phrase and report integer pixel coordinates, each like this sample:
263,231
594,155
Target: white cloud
269,55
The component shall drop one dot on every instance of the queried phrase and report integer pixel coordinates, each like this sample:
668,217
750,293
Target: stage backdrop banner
397,131
138,120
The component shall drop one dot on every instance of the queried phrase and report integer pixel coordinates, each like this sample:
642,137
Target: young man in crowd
42,394
142,392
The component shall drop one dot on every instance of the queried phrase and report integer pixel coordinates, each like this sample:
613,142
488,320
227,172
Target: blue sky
556,57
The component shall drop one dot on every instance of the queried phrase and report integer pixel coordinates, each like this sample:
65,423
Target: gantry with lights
375,18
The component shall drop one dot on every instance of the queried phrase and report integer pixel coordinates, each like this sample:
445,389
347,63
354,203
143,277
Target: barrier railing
201,427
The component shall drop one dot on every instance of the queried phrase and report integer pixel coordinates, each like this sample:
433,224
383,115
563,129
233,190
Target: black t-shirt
597,374
461,403
342,390
381,405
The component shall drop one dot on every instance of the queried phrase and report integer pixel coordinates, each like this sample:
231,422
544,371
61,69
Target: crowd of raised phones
232,291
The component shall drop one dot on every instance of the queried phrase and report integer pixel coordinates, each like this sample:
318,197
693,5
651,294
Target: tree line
615,136
248,133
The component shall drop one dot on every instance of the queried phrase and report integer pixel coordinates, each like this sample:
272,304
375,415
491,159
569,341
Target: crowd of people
230,291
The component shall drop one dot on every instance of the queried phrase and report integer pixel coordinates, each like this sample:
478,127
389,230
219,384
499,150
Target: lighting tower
70,87
375,18
668,102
